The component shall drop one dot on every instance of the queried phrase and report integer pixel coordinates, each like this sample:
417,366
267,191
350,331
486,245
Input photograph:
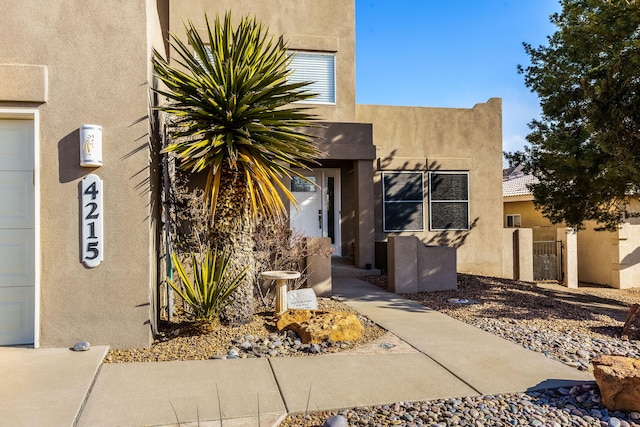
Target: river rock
315,326
336,421
81,346
618,378
631,328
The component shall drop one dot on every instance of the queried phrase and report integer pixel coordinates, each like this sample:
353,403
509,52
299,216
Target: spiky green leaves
231,106
212,286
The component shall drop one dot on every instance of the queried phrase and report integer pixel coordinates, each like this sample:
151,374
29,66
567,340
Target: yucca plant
233,115
212,287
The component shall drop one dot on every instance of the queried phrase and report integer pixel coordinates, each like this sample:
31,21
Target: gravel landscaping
181,340
571,326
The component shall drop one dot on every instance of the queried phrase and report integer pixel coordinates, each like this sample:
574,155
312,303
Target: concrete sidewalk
451,359
45,387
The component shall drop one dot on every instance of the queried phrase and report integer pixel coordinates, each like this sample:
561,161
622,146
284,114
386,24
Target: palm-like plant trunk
232,231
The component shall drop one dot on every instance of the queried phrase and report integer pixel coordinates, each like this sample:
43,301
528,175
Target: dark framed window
448,201
403,201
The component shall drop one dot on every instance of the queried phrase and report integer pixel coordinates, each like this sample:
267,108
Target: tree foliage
585,148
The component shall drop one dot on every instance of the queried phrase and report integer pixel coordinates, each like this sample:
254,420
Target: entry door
318,210
17,232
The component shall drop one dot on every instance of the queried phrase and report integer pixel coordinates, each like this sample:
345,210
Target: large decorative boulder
314,326
618,378
631,328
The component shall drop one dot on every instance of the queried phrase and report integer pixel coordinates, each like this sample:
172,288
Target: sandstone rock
618,378
313,326
292,316
631,328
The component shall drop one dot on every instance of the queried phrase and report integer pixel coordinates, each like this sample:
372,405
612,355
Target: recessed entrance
17,230
318,210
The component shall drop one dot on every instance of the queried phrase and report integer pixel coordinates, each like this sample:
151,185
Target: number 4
91,191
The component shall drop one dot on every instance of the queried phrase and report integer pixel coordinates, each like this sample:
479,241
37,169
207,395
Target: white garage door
17,232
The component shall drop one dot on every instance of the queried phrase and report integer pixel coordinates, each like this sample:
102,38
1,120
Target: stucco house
598,257
80,246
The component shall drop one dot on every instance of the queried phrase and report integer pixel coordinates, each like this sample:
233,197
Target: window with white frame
403,201
318,68
448,201
514,221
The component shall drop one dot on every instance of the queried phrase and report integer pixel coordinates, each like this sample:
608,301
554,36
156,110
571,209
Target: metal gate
547,260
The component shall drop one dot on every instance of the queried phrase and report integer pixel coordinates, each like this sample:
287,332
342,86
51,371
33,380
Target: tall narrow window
318,68
448,201
403,201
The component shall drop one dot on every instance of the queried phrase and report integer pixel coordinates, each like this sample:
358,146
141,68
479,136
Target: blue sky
451,54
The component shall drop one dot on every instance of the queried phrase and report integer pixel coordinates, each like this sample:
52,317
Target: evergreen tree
585,148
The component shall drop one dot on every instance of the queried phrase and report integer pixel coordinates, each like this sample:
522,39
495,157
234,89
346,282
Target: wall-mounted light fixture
90,146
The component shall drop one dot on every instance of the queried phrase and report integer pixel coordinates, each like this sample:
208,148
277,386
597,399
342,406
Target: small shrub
212,286
277,247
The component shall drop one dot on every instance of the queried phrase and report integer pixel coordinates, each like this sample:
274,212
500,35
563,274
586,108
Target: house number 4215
92,221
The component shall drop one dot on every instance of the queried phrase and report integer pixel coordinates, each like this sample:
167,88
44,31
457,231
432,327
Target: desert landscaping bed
571,326
181,340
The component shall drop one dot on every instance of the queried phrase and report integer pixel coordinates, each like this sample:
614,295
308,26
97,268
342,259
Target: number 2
94,207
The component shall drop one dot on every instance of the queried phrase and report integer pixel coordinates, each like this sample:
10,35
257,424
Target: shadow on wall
404,192
631,259
69,168
453,239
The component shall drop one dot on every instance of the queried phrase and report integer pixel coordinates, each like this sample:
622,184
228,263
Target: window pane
447,186
516,221
449,215
299,185
404,216
318,69
403,186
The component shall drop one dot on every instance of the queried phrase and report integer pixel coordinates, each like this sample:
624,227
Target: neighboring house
519,210
600,257
429,172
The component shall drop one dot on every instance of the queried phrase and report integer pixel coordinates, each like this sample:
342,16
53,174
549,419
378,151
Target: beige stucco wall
307,25
518,254
597,253
96,59
447,139
627,269
610,258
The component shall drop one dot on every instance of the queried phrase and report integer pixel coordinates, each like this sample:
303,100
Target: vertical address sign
92,221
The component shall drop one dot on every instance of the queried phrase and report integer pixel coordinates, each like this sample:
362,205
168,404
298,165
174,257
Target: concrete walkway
451,359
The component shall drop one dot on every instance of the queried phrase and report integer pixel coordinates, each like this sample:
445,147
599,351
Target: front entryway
318,210
17,231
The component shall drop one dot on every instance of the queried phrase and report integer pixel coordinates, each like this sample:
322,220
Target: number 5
92,248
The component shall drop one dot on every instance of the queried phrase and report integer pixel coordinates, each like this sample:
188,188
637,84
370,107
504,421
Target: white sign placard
92,221
302,299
